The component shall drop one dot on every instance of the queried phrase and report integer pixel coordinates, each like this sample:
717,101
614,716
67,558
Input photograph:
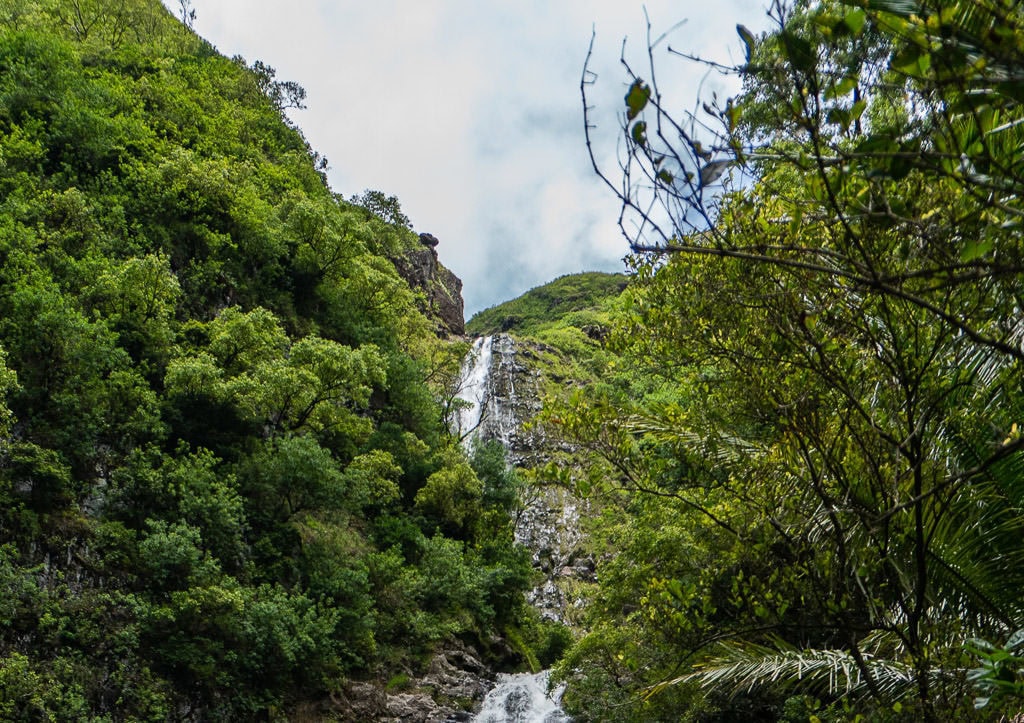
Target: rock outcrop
442,290
454,682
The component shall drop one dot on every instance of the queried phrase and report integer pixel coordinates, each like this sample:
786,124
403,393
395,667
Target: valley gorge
255,464
228,489
502,385
501,394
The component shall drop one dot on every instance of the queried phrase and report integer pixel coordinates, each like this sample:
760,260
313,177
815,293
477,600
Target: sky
469,112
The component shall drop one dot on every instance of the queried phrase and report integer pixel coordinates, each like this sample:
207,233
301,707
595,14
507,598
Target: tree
187,13
383,206
841,299
854,99
283,94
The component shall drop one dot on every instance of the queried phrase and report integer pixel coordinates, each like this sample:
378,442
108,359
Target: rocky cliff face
502,382
504,394
442,289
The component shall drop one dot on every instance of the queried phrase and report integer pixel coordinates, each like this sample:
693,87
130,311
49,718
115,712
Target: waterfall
522,698
503,405
487,390
492,409
473,381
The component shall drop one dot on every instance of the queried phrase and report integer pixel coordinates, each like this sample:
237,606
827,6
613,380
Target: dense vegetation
807,457
549,305
225,485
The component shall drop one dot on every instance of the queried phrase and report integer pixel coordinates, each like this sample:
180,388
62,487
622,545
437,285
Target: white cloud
470,113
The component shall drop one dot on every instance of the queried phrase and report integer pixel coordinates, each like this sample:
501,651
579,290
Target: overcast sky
469,112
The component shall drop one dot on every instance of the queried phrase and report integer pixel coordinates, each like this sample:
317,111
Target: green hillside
569,317
552,303
226,489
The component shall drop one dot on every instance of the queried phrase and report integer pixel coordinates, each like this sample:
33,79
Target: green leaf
913,60
987,116
839,116
877,143
733,113
976,249
855,20
666,177
639,133
903,8
798,50
844,86
636,99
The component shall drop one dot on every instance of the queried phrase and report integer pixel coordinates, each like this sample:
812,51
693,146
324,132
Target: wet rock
507,398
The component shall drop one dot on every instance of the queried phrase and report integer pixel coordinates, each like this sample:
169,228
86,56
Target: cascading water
487,390
522,698
491,409
473,380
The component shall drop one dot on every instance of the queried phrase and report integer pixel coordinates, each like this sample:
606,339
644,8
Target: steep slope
440,291
537,351
227,491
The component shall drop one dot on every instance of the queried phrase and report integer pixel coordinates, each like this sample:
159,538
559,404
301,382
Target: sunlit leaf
913,60
976,249
855,20
733,112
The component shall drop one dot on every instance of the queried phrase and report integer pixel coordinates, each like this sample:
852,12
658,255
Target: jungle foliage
808,456
223,471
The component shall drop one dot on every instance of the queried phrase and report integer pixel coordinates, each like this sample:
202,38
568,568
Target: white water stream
522,698
473,381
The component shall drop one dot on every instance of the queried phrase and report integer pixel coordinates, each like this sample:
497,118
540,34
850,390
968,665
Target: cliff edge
442,290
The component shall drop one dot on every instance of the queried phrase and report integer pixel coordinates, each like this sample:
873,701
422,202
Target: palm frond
744,667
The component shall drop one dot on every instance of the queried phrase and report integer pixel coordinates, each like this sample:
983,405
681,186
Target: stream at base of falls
522,698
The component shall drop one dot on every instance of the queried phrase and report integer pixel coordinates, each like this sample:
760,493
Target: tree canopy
221,444
816,442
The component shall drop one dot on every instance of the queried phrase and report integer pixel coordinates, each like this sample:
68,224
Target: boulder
455,682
